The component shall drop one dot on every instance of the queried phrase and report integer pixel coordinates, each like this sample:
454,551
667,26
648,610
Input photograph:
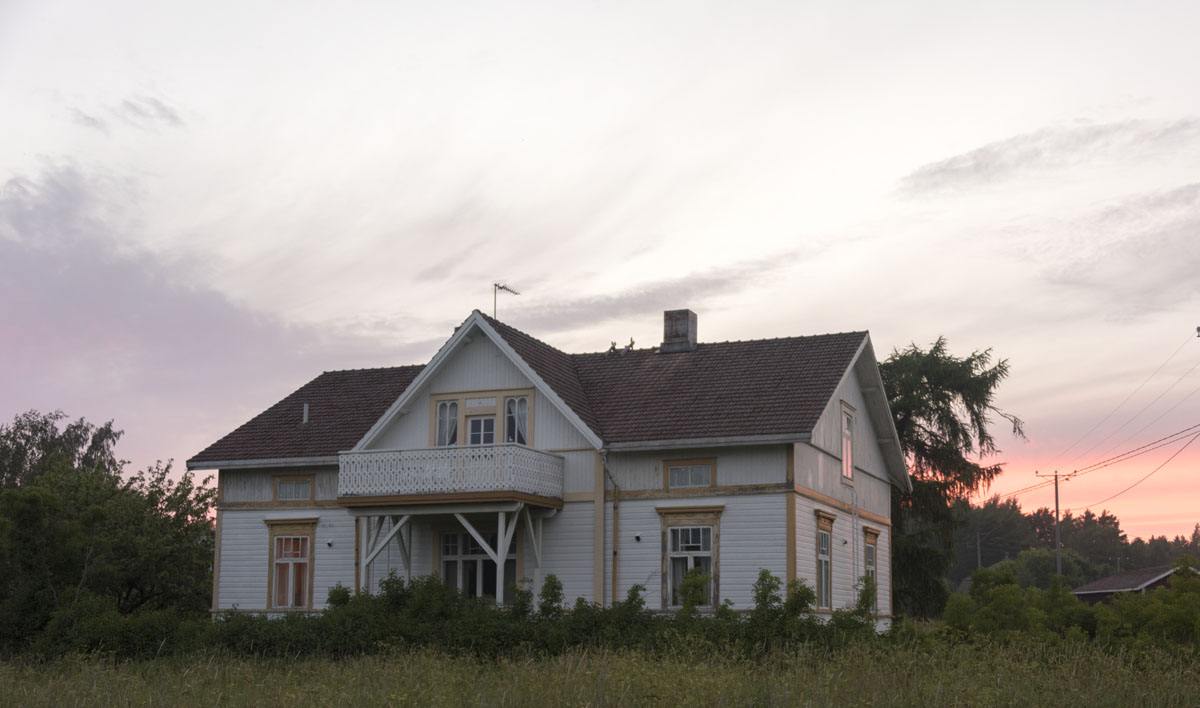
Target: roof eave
317,461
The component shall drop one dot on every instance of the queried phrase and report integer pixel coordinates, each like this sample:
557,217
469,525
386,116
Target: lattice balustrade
449,470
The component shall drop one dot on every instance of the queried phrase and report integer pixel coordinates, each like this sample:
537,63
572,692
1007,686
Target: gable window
870,562
847,444
516,420
690,551
824,561
290,577
447,423
481,430
689,473
293,489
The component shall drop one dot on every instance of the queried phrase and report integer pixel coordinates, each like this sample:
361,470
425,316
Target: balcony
445,474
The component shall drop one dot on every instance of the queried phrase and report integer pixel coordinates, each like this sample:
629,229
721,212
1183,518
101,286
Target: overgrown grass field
912,674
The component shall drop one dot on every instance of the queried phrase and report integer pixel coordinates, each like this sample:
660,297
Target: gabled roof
1132,581
341,405
718,391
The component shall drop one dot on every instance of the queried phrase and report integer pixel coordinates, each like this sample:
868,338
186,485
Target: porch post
501,557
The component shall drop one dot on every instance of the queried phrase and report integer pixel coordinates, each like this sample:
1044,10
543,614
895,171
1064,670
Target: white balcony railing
450,470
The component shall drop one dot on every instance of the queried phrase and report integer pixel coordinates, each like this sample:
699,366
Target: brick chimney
679,331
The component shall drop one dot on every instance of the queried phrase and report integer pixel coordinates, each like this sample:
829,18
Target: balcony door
467,568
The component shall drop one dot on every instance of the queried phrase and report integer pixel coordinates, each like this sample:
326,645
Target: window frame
463,554
309,478
278,529
513,430
846,454
669,464
471,404
673,517
823,575
871,570
483,433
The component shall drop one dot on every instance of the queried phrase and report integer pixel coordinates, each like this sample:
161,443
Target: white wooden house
504,459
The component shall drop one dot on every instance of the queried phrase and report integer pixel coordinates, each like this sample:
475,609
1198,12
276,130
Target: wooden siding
567,549
827,433
245,554
762,464
752,536
846,553
478,365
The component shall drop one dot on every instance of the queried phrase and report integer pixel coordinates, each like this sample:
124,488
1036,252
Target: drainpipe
616,521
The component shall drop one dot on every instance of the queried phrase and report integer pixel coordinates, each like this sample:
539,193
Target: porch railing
450,470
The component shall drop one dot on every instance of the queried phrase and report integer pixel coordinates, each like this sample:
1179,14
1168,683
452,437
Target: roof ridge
374,368
789,338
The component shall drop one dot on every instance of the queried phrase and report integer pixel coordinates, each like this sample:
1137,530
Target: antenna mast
496,288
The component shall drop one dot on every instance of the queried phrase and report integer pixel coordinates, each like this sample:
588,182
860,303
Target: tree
943,408
986,534
73,525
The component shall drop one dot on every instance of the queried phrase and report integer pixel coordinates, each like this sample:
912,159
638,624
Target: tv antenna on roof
496,288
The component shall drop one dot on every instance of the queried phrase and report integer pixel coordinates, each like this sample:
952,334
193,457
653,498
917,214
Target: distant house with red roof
504,460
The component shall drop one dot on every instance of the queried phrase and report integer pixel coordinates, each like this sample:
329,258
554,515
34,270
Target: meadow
917,673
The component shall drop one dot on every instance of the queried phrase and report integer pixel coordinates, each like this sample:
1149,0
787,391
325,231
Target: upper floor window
689,473
447,423
847,444
516,420
481,430
293,488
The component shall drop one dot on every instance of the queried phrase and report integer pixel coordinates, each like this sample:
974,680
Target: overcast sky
202,208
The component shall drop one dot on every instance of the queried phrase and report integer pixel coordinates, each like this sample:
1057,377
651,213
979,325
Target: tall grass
918,673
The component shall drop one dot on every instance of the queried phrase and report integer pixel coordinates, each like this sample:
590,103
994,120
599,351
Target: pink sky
200,211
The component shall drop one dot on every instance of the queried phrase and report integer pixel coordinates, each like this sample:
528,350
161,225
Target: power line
1141,410
1160,416
1125,400
1148,474
1030,488
1138,451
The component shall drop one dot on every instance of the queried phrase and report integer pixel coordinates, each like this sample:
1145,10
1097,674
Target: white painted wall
753,533
245,554
567,550
846,553
762,464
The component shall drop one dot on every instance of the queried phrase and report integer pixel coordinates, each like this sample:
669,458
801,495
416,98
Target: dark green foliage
73,528
943,408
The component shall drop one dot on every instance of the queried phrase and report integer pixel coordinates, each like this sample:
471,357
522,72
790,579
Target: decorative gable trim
474,322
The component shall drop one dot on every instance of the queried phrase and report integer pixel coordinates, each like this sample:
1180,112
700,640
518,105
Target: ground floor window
289,579
871,562
824,561
691,543
466,567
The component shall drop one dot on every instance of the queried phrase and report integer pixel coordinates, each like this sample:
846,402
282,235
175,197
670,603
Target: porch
474,546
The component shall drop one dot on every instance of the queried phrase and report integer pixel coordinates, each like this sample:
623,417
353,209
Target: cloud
1048,149
1134,256
88,121
687,291
147,112
99,328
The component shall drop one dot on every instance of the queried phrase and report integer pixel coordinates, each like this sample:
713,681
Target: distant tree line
998,531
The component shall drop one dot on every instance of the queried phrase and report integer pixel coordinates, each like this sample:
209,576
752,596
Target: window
468,569
447,423
481,430
847,445
293,488
824,561
689,473
291,566
516,420
870,562
690,549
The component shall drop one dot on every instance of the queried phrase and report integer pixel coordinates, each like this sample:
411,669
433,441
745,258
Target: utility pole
1057,532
